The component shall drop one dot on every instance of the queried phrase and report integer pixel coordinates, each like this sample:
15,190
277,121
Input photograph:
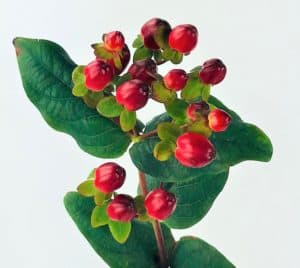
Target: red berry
124,56
194,150
144,70
133,94
98,75
109,177
121,208
114,41
218,120
176,79
183,38
212,72
154,32
195,110
160,204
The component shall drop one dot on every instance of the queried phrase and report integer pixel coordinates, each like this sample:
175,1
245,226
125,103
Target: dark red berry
98,75
155,33
133,94
160,204
194,150
197,109
218,120
176,79
145,70
212,72
121,208
114,41
183,38
109,177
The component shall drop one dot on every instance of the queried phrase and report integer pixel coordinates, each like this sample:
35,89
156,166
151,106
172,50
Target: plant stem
156,225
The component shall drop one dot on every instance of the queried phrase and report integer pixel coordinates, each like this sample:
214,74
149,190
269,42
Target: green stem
156,225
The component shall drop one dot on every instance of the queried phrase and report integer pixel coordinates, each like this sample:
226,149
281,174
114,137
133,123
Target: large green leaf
194,197
138,251
240,142
192,252
46,72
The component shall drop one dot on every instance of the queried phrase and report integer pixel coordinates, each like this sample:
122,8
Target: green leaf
46,72
99,198
177,58
91,99
138,42
162,94
101,52
79,90
87,188
193,89
142,53
163,150
120,230
118,80
168,131
92,174
174,56
77,75
127,120
177,110
240,142
140,250
191,252
99,216
109,107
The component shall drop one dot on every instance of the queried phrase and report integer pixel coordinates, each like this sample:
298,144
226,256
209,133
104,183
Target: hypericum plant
183,156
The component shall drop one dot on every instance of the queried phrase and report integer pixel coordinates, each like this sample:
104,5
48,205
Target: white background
254,222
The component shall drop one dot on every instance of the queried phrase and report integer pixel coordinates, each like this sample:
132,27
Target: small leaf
101,52
120,230
138,42
99,216
108,107
92,174
91,99
177,110
99,198
172,55
77,75
196,69
87,188
193,89
162,94
142,53
79,90
163,150
168,131
127,120
177,58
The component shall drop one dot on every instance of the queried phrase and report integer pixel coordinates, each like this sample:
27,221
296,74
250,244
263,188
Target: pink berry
133,94
121,208
183,38
114,41
160,204
194,150
154,30
109,177
212,72
176,79
98,75
218,120
145,70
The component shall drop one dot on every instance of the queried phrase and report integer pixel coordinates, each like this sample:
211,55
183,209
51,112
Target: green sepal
118,80
92,174
162,94
201,127
91,99
168,131
120,230
87,188
172,55
205,93
100,198
158,57
101,52
139,204
79,90
77,75
138,42
194,89
127,120
177,110
117,62
99,216
163,150
142,53
109,107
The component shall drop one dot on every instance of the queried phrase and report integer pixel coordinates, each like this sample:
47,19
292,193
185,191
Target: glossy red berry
183,38
98,75
160,204
145,70
212,72
218,120
197,109
133,94
114,41
109,177
155,33
175,79
194,150
121,208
